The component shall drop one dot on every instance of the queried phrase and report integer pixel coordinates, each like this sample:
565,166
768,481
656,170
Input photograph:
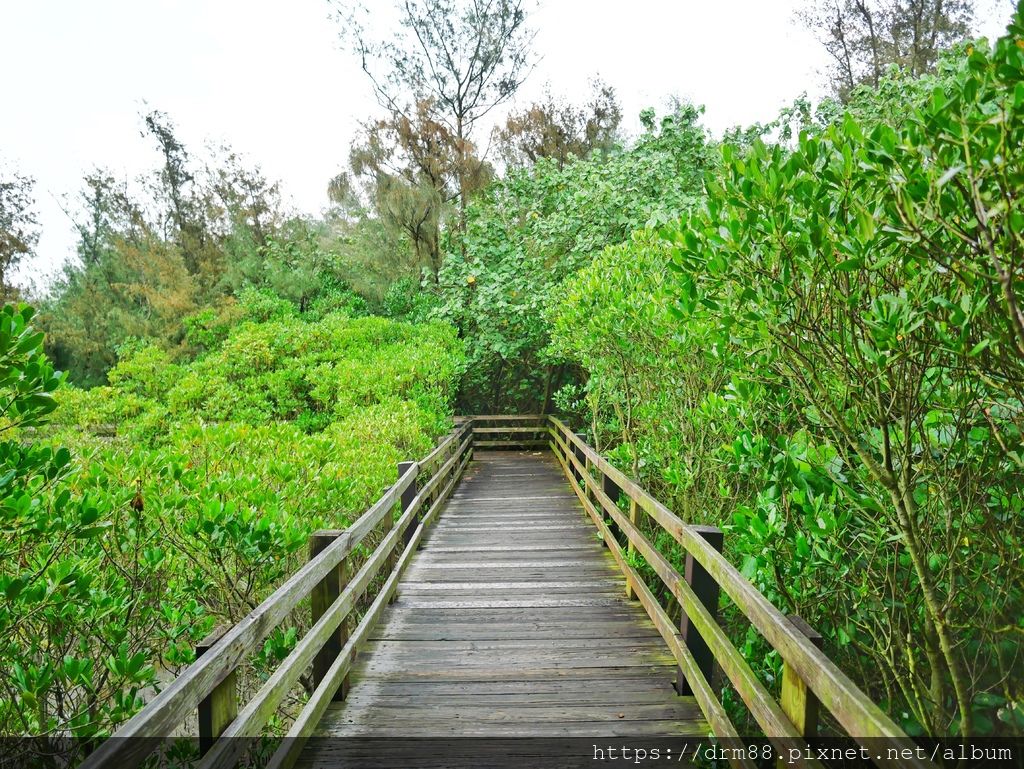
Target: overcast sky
270,78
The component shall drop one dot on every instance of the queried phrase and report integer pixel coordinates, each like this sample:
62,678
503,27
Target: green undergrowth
177,497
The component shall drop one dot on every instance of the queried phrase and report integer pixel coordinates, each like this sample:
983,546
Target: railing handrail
836,692
183,695
310,715
847,703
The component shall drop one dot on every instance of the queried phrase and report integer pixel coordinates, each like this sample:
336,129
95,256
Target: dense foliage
807,332
119,554
532,229
832,368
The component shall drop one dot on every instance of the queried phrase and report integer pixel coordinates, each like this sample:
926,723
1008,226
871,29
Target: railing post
798,701
613,492
705,588
583,461
220,707
407,497
609,487
320,600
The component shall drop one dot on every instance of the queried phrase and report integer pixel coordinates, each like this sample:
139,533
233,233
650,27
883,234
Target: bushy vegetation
121,551
807,332
825,357
532,229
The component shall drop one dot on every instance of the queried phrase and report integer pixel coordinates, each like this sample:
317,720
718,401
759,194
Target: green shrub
116,562
825,360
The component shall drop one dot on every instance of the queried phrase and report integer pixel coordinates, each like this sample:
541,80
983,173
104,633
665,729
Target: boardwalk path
512,621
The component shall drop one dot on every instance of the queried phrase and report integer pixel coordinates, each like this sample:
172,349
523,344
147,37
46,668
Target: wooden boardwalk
511,621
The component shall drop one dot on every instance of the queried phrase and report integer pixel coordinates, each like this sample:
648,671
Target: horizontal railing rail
810,678
328,647
507,431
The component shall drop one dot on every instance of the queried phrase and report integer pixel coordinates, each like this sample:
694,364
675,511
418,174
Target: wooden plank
596,673
629,680
520,602
502,646
580,615
577,585
458,727
524,711
555,551
609,632
509,429
510,442
586,696
506,417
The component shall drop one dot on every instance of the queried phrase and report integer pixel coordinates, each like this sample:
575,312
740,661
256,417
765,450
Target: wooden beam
492,444
503,430
220,707
321,598
798,702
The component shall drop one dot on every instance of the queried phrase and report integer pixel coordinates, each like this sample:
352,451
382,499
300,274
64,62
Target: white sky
270,78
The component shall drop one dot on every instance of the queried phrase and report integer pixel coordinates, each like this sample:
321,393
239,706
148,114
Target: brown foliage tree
413,168
559,130
460,58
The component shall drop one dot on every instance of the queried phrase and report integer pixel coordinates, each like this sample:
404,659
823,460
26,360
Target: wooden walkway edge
511,621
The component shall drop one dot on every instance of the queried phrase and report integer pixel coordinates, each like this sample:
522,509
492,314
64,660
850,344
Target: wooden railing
699,645
327,649
810,678
521,431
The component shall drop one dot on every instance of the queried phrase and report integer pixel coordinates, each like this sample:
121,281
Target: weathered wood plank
512,596
541,428
462,728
